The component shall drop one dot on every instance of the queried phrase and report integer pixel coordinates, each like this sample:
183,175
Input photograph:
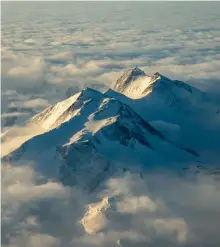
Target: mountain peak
89,94
90,91
136,71
62,111
157,74
136,84
127,78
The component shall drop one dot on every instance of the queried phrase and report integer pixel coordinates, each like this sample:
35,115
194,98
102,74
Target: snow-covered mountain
157,90
136,84
87,137
178,110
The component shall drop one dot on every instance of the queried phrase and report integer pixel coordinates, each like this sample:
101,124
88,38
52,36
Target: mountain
56,114
136,84
180,111
160,98
89,133
87,137
158,90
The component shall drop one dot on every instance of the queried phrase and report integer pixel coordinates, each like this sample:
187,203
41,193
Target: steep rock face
81,165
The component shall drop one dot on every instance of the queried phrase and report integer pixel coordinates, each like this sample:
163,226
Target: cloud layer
49,47
159,209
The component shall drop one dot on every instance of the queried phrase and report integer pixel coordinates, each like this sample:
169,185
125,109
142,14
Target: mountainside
158,89
87,137
56,114
179,111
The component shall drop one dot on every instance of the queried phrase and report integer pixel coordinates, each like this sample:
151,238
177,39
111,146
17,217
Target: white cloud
62,56
156,210
13,114
15,136
33,103
81,55
30,41
135,204
32,67
172,227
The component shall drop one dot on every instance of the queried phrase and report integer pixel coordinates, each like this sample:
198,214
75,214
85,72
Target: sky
53,49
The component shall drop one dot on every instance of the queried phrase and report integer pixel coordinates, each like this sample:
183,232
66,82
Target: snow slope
56,114
93,134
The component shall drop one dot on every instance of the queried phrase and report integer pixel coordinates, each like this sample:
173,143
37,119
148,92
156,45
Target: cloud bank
76,46
161,209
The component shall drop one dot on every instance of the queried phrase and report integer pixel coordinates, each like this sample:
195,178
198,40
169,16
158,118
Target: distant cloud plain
49,47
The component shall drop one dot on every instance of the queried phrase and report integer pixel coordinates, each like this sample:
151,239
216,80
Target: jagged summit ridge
63,111
136,84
